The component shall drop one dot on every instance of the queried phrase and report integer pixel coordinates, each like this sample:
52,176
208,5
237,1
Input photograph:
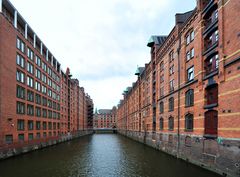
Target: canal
99,155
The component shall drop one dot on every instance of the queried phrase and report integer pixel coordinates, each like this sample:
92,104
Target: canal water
99,155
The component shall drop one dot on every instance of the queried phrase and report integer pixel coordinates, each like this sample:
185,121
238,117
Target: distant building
105,118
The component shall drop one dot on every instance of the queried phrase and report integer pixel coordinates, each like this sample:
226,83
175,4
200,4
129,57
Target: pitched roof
181,18
157,40
104,111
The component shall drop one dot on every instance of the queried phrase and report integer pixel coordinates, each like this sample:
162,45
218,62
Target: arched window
171,104
189,97
161,125
161,107
170,123
189,122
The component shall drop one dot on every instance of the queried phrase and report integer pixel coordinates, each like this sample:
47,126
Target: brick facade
105,118
38,100
188,103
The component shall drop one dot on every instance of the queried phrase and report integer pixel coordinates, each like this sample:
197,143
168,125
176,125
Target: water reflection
100,155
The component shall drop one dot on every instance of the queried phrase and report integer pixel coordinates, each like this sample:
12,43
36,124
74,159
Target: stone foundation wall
219,155
13,151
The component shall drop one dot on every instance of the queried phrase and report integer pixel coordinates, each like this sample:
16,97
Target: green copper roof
150,41
137,72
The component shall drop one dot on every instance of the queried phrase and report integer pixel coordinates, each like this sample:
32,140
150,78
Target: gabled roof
157,40
181,18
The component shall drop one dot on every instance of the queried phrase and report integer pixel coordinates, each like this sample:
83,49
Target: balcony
210,26
211,65
211,94
207,7
210,46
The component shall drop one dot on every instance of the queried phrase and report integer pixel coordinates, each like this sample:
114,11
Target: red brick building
186,99
105,118
42,102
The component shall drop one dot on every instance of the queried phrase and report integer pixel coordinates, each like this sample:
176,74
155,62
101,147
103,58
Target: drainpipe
178,129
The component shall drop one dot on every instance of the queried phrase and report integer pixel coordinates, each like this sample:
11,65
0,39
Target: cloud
101,41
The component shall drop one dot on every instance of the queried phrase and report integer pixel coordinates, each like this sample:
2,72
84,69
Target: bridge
105,130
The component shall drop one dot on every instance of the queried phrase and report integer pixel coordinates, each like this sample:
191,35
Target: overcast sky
101,41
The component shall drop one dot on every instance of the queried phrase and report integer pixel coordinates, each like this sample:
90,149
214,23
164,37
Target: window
49,82
192,35
189,122
188,39
44,134
44,113
161,91
49,125
189,98
30,81
20,76
20,124
44,101
216,14
49,92
49,103
38,61
212,64
30,136
161,123
38,74
54,105
190,74
188,55
54,126
44,89
20,137
44,66
30,110
20,45
161,107
38,99
44,78
20,108
37,86
171,70
20,61
30,53
216,35
171,104
44,126
49,114
38,125
212,95
38,135
30,96
38,111
171,56
20,92
30,125
171,85
30,68
49,71
192,53
9,139
170,123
